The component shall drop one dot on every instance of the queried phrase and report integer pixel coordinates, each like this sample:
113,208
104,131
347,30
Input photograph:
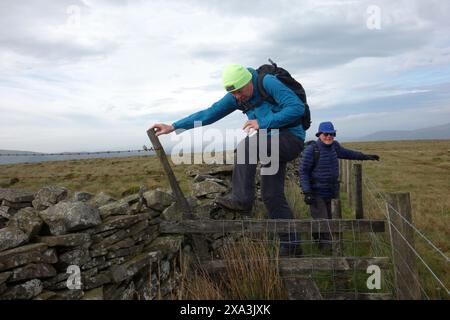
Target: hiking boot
228,203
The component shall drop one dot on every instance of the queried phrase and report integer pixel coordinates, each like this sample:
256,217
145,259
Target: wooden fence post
358,196
404,259
348,182
336,213
199,243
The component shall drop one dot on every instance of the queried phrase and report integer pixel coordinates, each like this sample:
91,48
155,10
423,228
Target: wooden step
301,265
271,226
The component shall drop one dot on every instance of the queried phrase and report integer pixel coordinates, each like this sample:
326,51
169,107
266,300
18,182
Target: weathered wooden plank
271,226
356,296
301,288
300,265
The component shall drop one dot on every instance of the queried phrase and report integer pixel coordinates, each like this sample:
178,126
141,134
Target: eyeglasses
329,134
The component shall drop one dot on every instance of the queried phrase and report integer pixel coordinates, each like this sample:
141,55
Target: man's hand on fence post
162,128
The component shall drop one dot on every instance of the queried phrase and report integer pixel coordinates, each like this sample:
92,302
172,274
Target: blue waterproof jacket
322,178
289,108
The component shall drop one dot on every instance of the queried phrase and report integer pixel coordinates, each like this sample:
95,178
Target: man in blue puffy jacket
319,175
241,86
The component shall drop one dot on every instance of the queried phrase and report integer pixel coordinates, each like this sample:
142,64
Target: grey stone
11,237
45,295
131,199
68,295
95,262
226,170
120,235
75,257
192,172
94,294
28,221
158,200
205,211
48,196
206,187
24,291
4,277
57,282
16,205
202,177
22,255
166,245
82,196
67,240
131,251
172,213
119,222
7,212
130,268
14,195
32,271
101,199
114,208
70,216
95,279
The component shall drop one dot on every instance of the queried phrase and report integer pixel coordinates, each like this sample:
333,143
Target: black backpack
317,150
285,77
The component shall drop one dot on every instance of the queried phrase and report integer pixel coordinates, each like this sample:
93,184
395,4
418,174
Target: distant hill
437,132
15,156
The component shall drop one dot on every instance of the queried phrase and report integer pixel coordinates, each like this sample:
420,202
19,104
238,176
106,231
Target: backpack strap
316,151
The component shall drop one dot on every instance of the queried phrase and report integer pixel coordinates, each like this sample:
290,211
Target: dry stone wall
86,246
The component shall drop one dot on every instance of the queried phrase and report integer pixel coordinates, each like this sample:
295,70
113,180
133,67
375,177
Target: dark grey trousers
321,209
272,186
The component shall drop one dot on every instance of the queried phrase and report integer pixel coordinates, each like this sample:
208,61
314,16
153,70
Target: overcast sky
95,74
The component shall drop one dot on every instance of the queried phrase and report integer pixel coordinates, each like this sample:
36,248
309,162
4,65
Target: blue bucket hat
325,127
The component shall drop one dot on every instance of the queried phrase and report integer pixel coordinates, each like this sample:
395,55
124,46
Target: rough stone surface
32,271
75,257
166,244
68,240
13,195
94,294
82,196
172,213
49,196
130,268
28,221
114,208
206,187
24,291
101,199
7,212
16,205
70,216
158,200
11,237
120,222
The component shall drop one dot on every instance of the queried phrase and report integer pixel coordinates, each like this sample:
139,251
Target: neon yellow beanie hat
235,76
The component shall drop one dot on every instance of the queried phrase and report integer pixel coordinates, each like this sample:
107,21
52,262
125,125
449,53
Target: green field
419,167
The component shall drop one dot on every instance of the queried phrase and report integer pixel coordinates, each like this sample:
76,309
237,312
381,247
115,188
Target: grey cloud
24,29
317,39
